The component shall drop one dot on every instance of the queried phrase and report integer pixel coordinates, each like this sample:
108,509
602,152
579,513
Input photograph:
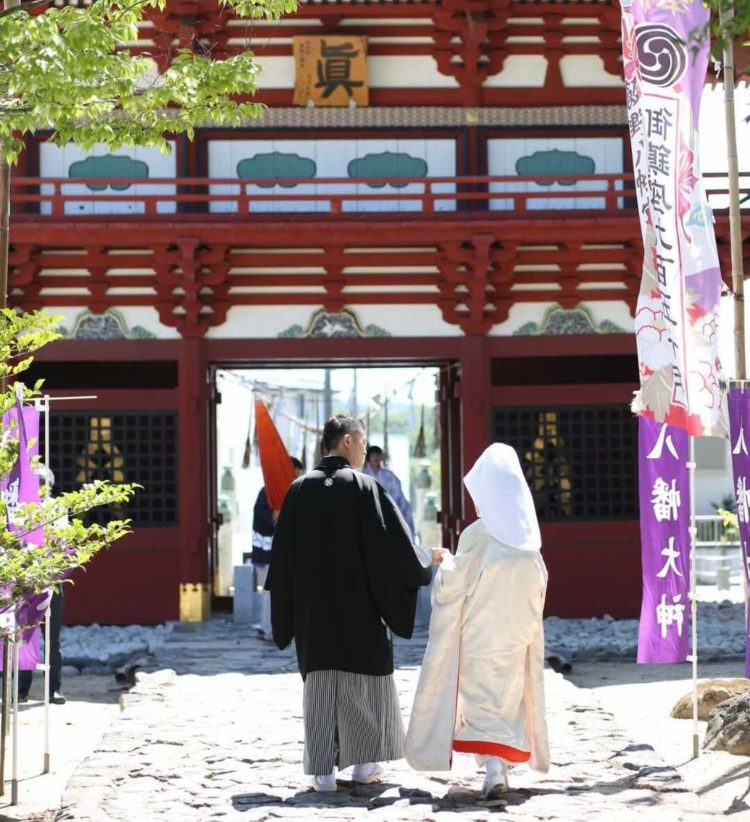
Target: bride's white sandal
496,780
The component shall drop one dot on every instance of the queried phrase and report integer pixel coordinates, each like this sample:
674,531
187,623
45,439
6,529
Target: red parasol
278,472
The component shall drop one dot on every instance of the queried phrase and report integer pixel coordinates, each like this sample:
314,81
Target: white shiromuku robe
481,685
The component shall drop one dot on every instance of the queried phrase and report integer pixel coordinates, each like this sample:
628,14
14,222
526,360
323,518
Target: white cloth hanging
502,497
481,687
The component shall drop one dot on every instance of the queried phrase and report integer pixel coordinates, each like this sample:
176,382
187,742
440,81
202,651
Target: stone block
729,726
245,605
710,694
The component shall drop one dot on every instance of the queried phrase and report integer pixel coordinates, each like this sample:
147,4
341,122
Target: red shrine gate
490,388
513,198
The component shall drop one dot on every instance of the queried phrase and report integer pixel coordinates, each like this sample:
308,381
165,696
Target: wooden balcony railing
450,197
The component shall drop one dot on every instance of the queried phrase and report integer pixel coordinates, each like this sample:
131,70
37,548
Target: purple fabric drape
19,487
739,431
663,634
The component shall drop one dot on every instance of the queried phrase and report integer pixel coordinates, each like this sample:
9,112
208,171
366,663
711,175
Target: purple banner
664,495
19,487
739,432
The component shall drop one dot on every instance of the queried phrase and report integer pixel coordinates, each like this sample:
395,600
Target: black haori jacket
342,565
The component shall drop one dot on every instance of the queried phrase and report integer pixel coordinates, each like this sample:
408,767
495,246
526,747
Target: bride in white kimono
481,688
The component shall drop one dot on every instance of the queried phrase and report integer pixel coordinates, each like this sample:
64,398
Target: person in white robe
481,687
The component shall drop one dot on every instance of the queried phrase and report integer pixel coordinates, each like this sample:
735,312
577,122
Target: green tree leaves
68,70
730,19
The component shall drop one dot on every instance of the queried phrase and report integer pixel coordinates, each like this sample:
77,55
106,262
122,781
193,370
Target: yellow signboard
330,71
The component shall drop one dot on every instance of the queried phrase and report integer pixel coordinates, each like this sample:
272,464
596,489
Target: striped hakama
350,719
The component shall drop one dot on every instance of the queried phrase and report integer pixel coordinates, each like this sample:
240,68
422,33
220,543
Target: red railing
214,197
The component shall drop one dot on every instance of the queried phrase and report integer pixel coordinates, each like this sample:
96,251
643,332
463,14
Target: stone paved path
217,734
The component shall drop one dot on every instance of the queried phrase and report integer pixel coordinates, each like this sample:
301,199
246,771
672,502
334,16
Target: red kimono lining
491,749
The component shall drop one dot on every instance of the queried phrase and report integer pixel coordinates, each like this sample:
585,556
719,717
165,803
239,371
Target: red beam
614,393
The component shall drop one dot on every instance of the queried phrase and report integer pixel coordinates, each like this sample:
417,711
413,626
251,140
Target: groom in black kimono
344,574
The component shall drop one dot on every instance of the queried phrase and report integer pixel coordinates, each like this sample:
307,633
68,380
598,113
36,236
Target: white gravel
100,643
721,633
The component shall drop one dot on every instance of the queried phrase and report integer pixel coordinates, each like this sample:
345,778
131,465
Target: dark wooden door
214,516
452,496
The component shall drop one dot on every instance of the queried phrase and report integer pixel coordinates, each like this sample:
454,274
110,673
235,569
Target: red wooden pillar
475,390
195,591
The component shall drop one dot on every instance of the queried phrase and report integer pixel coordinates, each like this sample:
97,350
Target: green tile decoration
108,166
555,162
276,166
338,324
387,166
558,321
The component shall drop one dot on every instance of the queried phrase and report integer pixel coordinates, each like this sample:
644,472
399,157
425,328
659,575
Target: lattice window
581,461
132,446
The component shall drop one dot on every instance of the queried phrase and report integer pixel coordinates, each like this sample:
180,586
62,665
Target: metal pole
5,713
45,409
46,689
14,776
5,211
4,253
726,15
4,223
693,599
49,607
327,395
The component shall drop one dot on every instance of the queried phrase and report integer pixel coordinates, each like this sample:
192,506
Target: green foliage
734,25
26,568
67,70
730,525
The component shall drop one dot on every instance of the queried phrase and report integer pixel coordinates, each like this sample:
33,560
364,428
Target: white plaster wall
420,71
266,322
504,153
332,158
55,161
275,72
407,320
520,71
412,71
261,322
587,70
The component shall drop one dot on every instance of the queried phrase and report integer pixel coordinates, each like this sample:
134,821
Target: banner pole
5,712
16,664
46,689
693,600
47,677
726,16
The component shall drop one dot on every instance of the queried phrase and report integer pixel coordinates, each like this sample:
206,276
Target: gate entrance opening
408,411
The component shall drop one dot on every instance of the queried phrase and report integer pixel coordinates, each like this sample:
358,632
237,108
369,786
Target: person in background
481,687
374,468
264,523
344,575
25,678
